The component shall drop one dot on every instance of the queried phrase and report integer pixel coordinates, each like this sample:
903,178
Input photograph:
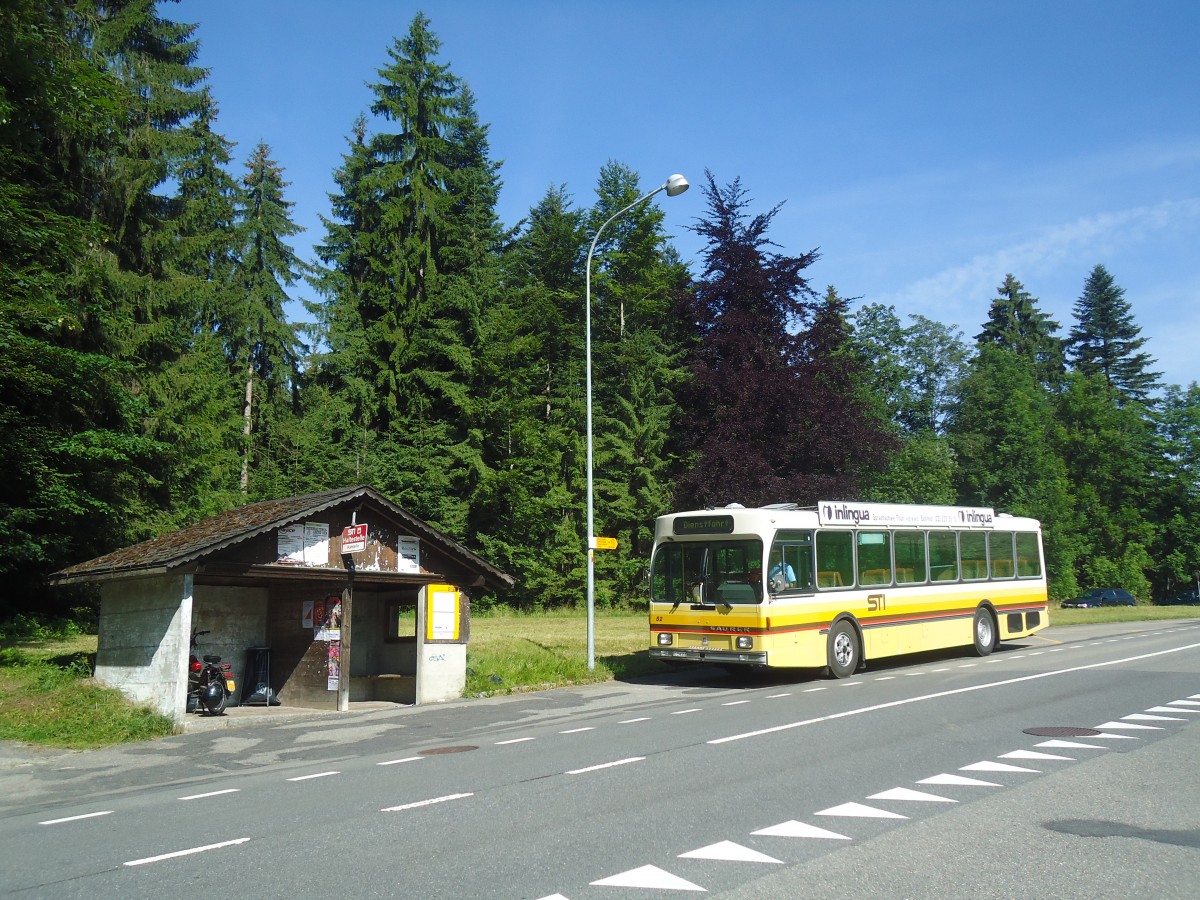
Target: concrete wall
142,647
236,618
441,666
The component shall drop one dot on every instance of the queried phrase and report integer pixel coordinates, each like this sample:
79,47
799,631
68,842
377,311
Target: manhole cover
438,750
1062,731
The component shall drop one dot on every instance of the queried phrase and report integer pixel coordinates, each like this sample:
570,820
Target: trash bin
256,687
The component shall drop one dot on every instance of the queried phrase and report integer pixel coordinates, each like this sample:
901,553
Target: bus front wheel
984,627
844,652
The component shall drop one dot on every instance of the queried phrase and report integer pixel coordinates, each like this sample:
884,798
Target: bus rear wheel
984,628
844,652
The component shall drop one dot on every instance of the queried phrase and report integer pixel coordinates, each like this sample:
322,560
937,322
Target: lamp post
674,186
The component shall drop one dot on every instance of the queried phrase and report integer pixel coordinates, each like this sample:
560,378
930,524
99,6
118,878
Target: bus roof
736,518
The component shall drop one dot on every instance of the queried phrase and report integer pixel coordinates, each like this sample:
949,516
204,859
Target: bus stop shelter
316,601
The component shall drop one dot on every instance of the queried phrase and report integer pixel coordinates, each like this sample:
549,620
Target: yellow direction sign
605,543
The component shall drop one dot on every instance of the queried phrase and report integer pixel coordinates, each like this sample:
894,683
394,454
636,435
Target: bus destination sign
703,525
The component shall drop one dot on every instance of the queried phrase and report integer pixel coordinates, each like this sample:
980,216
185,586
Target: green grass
510,652
1120,614
47,695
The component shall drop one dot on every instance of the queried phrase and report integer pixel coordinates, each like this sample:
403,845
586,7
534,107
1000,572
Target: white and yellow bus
835,585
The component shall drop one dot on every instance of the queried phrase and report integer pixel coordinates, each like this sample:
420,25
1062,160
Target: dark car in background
1100,597
1190,597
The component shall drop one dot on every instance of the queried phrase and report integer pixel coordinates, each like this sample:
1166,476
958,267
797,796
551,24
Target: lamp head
676,185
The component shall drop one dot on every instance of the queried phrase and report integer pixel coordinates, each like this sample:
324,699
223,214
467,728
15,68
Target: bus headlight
745,643
665,639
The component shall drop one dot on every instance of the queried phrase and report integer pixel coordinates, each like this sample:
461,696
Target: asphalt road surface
1065,765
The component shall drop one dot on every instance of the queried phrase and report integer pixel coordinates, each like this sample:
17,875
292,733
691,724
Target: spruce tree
1015,323
1105,340
263,347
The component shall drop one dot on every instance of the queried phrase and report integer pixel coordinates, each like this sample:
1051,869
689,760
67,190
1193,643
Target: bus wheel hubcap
843,650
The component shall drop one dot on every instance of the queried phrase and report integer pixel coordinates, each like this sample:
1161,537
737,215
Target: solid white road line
188,852
965,690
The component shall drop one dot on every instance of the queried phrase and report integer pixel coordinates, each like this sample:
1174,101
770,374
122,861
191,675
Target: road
920,778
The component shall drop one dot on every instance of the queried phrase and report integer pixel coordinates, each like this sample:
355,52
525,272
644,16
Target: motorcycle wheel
217,706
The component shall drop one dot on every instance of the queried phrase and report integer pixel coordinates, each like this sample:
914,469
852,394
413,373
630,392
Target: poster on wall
327,619
408,554
335,666
303,544
306,614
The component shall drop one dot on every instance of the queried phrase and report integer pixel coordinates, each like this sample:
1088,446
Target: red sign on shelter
354,538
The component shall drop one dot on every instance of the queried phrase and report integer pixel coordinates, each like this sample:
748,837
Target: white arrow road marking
1142,717
1130,725
948,779
649,877
107,812
1070,745
792,828
901,793
608,765
859,811
987,766
426,802
211,794
728,851
1032,754
189,852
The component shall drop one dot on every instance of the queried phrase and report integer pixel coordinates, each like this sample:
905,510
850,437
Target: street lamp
674,186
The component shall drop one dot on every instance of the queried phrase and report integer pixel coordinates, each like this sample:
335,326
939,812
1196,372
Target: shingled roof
194,542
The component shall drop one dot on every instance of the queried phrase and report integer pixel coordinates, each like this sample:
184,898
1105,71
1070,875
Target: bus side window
835,559
1029,563
874,558
973,548
943,555
1000,554
911,562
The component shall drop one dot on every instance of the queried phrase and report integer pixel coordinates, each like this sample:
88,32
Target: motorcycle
210,683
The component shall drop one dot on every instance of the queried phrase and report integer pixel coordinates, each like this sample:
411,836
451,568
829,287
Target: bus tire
984,629
844,652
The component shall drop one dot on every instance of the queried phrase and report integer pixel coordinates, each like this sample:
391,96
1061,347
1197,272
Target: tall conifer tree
1106,341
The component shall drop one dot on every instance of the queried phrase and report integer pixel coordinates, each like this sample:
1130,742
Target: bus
834,585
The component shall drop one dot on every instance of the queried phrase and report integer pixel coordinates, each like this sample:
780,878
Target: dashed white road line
429,802
735,702
188,852
211,794
684,712
513,741
317,775
608,765
577,730
91,815
631,721
396,762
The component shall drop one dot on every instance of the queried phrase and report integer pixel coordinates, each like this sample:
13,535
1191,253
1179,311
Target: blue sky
927,148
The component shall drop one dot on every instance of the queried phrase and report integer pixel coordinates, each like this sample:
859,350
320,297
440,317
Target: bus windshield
725,572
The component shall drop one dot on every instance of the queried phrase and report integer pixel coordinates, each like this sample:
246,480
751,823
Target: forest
150,376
